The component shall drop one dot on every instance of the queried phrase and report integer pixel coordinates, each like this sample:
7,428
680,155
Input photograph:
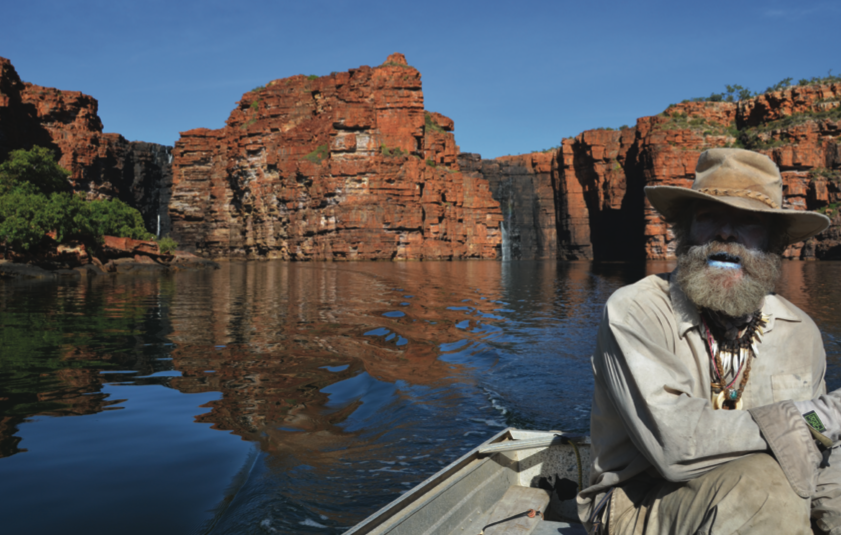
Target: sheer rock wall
524,188
598,176
342,167
351,166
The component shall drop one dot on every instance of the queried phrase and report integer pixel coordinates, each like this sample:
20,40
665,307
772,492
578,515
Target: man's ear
778,237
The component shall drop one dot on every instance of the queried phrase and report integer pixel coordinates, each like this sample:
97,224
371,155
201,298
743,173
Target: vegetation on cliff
735,93
35,200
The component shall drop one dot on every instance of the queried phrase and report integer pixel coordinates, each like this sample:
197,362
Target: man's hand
823,415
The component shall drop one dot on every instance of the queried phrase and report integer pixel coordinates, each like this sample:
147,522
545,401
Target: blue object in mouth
724,261
723,265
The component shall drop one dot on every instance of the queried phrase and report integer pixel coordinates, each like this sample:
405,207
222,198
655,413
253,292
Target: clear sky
514,76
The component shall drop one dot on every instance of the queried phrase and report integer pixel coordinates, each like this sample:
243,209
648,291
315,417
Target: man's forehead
716,210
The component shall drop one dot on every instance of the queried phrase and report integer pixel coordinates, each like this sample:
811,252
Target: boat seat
507,515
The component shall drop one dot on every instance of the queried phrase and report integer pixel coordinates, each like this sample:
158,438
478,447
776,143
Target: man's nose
726,232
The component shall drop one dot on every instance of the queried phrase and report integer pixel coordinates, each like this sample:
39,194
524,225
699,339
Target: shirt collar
687,316
777,308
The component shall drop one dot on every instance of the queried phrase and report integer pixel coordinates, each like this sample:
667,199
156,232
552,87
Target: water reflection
60,343
346,383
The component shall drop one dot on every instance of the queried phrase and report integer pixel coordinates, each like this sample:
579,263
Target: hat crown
744,180
739,173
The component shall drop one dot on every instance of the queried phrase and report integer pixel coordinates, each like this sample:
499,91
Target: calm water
292,398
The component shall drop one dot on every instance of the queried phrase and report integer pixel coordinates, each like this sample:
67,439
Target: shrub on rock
35,200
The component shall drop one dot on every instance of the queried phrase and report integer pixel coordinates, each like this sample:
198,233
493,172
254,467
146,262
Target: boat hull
492,487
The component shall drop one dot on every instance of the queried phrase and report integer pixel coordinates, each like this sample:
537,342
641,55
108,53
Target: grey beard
724,290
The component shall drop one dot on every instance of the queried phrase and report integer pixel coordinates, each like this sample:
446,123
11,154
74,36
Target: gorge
351,166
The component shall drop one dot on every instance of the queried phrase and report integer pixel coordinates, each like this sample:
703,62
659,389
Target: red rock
350,166
598,177
341,167
523,186
591,183
129,246
786,102
75,253
103,166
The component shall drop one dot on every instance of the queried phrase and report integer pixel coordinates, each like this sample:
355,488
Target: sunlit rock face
347,166
350,166
103,166
597,177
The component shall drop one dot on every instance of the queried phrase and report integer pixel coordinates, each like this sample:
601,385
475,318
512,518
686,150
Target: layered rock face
598,177
342,167
598,213
350,166
103,166
524,188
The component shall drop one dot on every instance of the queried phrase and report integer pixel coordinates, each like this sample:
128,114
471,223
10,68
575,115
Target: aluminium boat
516,482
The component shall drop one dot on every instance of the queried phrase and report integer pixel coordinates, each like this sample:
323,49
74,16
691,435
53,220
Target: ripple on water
309,370
380,331
336,369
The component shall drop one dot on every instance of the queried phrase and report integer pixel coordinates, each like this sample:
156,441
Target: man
694,423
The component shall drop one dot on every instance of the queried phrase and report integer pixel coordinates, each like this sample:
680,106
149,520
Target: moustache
719,255
727,276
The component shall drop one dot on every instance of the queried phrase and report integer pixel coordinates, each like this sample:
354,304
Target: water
292,398
506,242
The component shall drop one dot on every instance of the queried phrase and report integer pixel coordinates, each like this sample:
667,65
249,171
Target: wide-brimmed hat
741,179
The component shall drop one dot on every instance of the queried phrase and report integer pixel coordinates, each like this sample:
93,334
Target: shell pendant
719,399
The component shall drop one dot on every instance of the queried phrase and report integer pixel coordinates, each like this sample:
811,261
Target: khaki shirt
651,402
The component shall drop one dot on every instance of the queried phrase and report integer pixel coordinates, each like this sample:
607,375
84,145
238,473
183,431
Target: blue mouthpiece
723,265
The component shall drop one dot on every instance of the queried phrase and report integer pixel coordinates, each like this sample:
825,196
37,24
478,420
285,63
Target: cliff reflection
274,337
60,343
302,353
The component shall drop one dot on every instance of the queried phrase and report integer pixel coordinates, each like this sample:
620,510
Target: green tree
35,199
116,218
23,217
36,167
69,216
167,244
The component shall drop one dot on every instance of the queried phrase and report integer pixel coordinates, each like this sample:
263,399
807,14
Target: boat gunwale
419,491
422,489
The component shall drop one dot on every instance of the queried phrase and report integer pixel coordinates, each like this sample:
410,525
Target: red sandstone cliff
103,166
342,167
350,166
524,187
598,177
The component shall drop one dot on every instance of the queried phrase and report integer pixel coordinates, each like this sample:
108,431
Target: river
269,397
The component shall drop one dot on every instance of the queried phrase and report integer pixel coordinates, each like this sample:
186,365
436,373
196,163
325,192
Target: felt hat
741,179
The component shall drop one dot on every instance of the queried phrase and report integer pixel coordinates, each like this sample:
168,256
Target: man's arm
651,388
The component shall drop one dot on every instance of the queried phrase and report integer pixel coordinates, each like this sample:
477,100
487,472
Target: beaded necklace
728,354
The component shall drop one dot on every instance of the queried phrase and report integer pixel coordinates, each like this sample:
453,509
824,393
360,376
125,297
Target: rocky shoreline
182,261
111,256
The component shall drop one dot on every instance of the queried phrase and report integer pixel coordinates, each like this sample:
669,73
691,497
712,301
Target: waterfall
159,226
506,242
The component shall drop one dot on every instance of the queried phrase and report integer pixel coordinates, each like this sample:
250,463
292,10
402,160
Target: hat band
723,192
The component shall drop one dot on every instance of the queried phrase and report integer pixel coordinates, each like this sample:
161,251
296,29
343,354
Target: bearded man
705,379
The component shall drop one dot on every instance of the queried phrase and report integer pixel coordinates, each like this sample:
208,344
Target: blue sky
514,76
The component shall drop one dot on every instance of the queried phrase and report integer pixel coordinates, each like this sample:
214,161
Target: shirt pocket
795,386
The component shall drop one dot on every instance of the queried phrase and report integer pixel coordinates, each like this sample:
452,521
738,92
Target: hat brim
801,224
